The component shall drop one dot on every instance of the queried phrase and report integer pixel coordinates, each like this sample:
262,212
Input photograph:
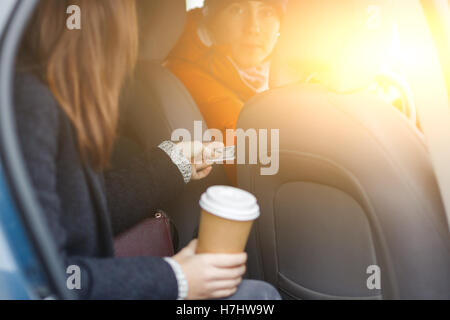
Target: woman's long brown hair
85,68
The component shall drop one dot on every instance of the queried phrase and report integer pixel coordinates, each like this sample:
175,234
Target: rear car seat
155,103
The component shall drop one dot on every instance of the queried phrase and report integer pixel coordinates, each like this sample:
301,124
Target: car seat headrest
161,23
332,37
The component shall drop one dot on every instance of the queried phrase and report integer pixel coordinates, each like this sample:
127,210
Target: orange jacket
211,79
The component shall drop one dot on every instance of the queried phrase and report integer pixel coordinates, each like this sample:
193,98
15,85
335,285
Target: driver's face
250,28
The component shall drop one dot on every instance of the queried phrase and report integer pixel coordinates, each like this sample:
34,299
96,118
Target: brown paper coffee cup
226,220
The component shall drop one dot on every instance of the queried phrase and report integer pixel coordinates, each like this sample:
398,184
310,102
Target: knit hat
212,7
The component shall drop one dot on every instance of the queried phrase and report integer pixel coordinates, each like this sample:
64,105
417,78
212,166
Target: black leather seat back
355,189
155,103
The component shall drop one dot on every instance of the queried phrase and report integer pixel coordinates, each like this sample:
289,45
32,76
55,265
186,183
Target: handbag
152,237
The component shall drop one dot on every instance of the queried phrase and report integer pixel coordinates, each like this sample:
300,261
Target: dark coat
84,209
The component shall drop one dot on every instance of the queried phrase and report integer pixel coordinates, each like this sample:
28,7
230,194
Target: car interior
345,173
356,185
346,197
155,103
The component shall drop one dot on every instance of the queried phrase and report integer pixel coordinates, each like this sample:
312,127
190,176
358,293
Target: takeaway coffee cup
226,219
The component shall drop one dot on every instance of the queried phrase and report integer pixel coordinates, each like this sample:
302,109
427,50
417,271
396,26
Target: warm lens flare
349,48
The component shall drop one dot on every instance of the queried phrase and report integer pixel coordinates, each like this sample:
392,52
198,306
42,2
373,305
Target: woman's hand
210,276
200,155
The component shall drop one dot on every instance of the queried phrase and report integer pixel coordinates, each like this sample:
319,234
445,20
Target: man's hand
200,155
211,276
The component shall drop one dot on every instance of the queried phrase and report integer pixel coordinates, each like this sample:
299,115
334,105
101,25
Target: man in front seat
223,57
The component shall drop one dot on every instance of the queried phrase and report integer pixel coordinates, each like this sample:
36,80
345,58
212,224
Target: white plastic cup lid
230,203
